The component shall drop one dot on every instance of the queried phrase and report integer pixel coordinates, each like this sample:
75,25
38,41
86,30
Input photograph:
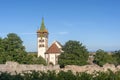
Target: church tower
42,39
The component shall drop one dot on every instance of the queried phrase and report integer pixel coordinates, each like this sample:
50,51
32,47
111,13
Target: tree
103,57
13,43
116,56
74,54
1,45
14,48
33,59
11,48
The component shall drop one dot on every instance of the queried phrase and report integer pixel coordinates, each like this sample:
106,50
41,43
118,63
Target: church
50,54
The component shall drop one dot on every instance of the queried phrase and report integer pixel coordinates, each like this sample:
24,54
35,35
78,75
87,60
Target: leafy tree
103,57
3,56
116,56
33,59
12,49
74,54
13,43
1,45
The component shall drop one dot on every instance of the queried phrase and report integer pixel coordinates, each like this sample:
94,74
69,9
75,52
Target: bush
68,75
103,57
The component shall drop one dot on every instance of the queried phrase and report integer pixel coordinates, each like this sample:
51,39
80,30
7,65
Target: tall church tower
42,39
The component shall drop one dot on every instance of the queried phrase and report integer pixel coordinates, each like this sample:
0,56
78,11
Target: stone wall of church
13,66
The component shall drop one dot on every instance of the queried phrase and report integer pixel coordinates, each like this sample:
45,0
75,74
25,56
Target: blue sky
95,23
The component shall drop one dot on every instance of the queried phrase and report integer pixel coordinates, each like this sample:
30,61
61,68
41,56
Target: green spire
42,28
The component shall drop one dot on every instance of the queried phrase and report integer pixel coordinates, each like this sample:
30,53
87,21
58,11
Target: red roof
53,49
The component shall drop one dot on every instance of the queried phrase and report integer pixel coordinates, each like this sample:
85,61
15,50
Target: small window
39,40
43,40
42,45
39,45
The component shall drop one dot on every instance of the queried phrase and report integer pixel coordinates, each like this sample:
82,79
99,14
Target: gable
54,48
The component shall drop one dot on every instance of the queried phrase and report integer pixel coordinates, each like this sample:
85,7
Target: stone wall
14,66
92,68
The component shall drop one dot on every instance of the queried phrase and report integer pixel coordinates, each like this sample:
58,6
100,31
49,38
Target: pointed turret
42,28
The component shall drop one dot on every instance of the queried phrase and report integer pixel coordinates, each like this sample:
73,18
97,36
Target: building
50,54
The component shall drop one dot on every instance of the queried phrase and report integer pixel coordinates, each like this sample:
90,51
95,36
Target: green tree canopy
116,56
1,45
33,59
74,54
103,57
13,43
12,49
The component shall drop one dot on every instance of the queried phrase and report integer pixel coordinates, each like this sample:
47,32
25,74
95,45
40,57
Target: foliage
74,54
116,56
84,76
12,49
68,75
103,57
33,59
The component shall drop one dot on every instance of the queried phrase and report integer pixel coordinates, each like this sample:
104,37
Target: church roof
42,28
54,48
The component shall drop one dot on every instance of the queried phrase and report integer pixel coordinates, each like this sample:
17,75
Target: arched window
39,45
41,40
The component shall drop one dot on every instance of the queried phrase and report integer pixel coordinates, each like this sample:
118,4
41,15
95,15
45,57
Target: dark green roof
42,28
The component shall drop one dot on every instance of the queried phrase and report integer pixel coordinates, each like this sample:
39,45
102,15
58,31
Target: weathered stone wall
13,66
92,68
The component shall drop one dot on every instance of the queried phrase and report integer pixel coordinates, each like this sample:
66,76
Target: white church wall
53,58
42,49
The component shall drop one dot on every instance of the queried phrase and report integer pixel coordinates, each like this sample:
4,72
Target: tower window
41,45
42,40
39,40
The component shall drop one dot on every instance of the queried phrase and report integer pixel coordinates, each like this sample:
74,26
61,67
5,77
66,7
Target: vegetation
12,49
74,54
33,59
103,57
116,56
52,75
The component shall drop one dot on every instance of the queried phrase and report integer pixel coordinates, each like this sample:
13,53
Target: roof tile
53,49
